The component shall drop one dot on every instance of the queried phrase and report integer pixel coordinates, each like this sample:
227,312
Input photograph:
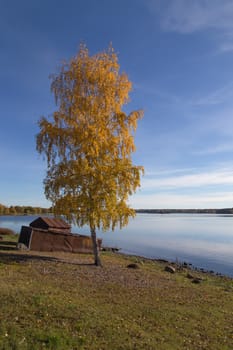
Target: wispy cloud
225,42
220,122
216,96
198,179
221,148
188,16
184,201
221,95
158,93
169,172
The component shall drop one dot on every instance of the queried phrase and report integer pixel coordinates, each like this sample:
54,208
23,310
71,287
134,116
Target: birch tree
88,144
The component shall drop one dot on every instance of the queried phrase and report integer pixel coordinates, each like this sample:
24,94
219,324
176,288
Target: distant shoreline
185,211
142,211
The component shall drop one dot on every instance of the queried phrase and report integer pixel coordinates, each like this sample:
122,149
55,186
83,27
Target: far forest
23,210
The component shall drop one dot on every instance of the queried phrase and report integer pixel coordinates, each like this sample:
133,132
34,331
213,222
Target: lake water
206,241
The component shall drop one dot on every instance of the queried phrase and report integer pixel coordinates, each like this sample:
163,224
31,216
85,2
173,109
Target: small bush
6,231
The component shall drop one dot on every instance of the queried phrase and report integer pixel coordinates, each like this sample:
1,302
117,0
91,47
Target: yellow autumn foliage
88,142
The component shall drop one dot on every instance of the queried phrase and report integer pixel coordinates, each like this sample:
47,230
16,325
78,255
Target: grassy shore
62,301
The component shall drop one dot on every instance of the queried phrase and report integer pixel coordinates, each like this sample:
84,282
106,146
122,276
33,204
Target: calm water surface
204,240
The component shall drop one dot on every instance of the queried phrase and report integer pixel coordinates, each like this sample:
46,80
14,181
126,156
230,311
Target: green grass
62,301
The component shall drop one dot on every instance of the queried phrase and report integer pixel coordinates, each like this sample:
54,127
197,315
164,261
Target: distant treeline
29,210
186,211
23,210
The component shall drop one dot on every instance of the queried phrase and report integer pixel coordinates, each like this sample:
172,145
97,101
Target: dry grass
62,301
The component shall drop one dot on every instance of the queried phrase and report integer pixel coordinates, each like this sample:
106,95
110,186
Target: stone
196,280
22,246
133,266
110,249
170,269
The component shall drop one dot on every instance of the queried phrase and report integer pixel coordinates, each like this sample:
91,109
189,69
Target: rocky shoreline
171,266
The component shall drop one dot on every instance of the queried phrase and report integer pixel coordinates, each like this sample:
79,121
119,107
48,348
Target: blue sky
179,56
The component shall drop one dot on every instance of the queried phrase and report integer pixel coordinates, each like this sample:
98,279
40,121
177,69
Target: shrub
6,231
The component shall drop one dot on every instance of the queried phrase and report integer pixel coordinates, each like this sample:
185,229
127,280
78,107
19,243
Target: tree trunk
95,248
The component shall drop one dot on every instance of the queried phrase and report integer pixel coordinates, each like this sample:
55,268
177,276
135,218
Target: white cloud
226,43
217,177
220,122
214,96
221,148
189,16
182,201
186,16
192,189
169,171
218,96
